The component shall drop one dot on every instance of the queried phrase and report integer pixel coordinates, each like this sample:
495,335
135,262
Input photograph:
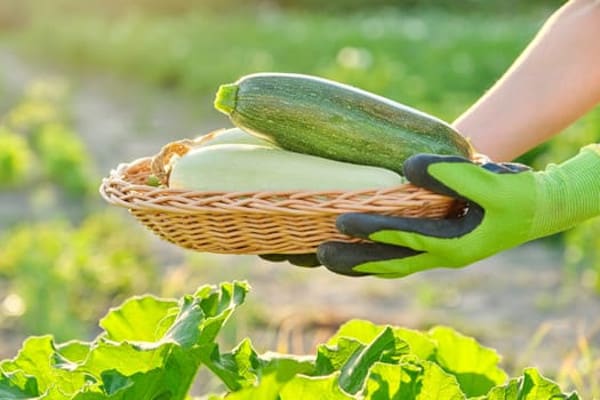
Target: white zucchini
247,167
231,136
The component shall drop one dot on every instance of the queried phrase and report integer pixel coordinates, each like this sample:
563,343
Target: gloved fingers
400,267
412,240
457,177
300,260
308,260
274,257
365,225
396,266
415,169
343,257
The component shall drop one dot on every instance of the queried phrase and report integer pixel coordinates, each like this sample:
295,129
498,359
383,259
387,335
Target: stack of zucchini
297,132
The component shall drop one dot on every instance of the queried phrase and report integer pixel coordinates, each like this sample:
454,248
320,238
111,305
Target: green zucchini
246,167
324,118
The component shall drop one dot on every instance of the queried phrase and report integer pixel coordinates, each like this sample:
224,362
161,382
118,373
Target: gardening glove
505,207
308,260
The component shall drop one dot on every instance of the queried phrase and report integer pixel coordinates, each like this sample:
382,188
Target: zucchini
316,116
162,162
231,136
246,167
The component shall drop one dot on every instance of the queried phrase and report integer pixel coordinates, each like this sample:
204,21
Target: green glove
504,210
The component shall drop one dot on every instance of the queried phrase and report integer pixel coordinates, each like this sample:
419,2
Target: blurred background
87,85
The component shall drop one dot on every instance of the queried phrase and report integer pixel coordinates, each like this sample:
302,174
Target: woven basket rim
282,222
120,190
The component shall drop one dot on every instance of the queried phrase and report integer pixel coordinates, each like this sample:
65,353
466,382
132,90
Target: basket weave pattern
256,222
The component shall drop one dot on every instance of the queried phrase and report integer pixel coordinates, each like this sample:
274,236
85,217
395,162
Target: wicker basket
256,223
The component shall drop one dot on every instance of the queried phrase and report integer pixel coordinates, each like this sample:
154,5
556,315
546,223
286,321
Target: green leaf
35,359
412,379
475,366
17,385
361,330
332,357
287,365
277,370
187,326
165,364
419,343
243,367
212,396
357,334
141,386
307,387
142,318
151,350
123,357
353,350
388,381
236,369
355,370
194,320
218,306
113,382
268,389
71,352
531,386
365,331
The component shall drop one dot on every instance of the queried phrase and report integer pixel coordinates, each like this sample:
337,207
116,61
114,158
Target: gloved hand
372,250
506,207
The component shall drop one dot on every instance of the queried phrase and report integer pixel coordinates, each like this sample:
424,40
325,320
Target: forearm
554,81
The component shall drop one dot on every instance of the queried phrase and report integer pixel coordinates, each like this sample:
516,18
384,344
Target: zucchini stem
226,98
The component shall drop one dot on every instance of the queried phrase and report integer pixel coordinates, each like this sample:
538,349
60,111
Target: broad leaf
141,386
243,367
68,355
411,379
166,366
237,369
142,318
332,357
307,387
123,357
531,386
355,370
354,349
36,359
365,331
475,366
17,385
276,371
151,350
218,306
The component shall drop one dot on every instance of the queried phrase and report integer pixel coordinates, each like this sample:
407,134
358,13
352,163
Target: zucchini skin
324,118
247,167
231,136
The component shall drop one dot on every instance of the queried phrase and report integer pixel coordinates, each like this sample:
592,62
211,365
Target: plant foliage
152,349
